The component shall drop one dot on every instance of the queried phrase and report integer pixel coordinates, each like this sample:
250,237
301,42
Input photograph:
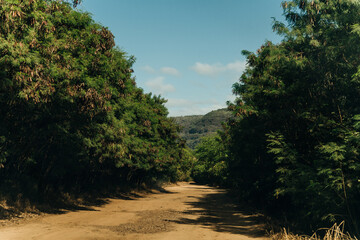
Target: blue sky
188,51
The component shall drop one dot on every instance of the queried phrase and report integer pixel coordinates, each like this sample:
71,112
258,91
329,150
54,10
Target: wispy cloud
237,66
180,102
148,69
164,70
176,102
214,69
207,69
158,86
170,71
185,107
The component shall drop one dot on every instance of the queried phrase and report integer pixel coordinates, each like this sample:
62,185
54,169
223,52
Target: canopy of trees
210,166
71,115
294,144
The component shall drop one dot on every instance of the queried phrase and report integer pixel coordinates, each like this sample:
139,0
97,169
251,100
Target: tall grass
336,232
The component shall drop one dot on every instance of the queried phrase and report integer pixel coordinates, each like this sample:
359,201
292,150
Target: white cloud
163,70
214,69
170,71
179,102
172,102
237,66
148,69
158,86
184,107
207,69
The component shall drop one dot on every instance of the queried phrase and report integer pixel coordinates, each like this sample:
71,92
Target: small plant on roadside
336,232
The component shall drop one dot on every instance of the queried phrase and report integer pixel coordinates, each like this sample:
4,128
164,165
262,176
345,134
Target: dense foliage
294,144
210,166
72,117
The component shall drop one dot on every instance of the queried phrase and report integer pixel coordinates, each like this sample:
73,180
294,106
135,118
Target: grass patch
336,232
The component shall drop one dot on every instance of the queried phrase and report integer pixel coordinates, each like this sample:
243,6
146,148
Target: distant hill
197,126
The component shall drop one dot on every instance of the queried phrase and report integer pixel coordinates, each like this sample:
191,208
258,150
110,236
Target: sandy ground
184,211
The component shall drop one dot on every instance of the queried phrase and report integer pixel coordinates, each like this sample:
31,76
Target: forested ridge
194,127
292,147
72,118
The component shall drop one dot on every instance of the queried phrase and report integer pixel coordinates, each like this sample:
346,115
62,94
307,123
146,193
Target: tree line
293,144
71,116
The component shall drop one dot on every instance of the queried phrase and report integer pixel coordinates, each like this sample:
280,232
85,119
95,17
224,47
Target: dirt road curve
183,211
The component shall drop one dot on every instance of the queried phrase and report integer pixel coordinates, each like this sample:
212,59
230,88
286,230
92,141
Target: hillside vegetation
194,127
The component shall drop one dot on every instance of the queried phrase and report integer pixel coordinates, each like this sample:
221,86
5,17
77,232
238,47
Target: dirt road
183,211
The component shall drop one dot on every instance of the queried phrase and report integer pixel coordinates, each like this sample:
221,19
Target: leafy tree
72,117
210,166
296,108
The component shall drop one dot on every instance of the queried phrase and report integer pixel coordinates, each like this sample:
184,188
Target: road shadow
64,203
90,201
219,212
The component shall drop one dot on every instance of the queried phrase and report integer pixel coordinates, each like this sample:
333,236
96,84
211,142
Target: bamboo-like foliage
71,115
294,145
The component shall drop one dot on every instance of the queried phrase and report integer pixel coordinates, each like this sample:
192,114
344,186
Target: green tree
210,166
297,100
72,117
